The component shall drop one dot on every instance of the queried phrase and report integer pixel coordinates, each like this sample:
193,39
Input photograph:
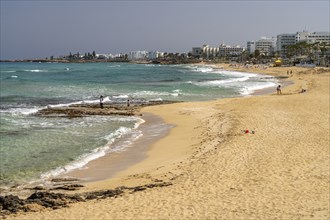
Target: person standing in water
101,101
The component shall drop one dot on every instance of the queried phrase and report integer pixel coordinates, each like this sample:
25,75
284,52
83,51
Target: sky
43,28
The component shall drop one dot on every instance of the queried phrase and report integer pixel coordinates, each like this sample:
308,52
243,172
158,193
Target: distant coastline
160,61
58,61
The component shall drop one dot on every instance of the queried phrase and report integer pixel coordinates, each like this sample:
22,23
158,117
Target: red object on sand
246,131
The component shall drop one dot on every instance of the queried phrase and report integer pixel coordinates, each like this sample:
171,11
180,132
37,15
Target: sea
35,147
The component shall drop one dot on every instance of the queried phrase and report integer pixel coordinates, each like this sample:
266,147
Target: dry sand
219,172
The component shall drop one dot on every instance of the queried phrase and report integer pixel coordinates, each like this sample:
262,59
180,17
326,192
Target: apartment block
304,36
264,45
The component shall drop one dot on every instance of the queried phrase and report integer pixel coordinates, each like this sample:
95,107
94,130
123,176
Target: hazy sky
39,29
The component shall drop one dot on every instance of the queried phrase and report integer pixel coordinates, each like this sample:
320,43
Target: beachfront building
322,37
314,37
284,40
152,55
222,51
301,36
209,52
228,51
196,52
251,47
105,56
266,46
138,55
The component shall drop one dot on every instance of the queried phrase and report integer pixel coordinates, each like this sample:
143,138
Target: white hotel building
137,55
291,39
144,55
264,45
222,51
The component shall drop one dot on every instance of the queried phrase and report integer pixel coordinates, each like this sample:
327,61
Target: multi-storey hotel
304,36
265,46
222,51
226,50
144,55
284,40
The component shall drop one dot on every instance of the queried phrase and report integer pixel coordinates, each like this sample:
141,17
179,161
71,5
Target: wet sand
107,166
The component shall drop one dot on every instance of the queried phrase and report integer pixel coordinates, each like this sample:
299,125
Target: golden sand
280,171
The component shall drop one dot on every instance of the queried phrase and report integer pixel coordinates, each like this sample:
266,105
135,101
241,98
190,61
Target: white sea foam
8,71
219,83
156,100
113,145
236,74
252,88
245,83
120,97
139,121
82,161
147,94
117,134
20,111
14,76
94,101
36,71
204,69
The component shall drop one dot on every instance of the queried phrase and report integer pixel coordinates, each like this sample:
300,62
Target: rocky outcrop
86,110
95,109
13,204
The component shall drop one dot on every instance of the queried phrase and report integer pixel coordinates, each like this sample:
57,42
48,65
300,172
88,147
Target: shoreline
134,169
208,135
106,167
103,168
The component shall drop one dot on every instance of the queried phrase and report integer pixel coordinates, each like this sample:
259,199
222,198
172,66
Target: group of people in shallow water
102,100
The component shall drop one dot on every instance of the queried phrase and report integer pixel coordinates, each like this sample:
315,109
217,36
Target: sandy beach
258,157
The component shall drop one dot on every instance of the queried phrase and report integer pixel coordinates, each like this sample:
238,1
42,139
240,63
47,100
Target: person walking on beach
128,103
278,90
101,101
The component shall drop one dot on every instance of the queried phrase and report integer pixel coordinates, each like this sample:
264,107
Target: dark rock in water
86,110
82,110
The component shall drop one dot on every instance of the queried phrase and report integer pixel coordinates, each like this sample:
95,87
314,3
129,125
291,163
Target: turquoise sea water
34,147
